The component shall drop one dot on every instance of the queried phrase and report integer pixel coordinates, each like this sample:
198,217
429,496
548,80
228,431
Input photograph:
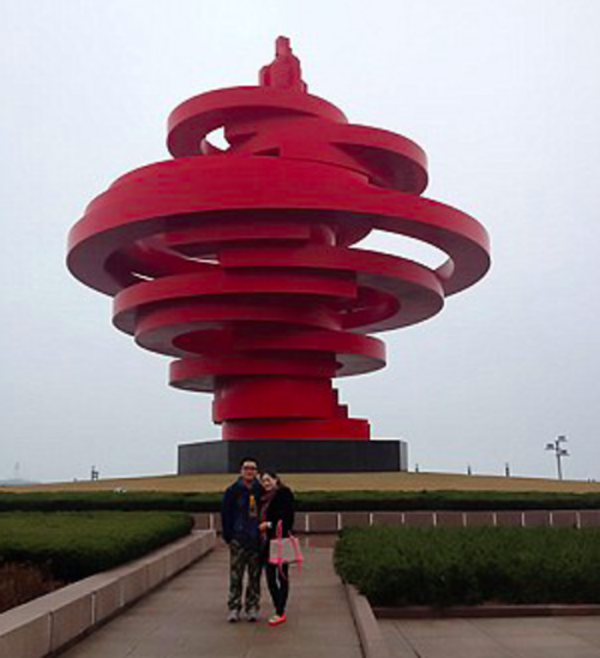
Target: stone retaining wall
53,621
332,522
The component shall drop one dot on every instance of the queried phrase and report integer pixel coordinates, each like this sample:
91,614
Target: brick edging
52,622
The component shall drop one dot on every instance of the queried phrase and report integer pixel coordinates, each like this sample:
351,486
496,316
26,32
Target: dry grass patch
20,583
329,482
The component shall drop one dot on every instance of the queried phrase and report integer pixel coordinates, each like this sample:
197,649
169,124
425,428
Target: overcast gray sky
504,98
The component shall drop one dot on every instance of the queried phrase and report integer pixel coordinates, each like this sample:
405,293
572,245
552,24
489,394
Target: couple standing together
252,510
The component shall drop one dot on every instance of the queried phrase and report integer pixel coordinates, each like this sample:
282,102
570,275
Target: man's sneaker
252,615
275,620
233,616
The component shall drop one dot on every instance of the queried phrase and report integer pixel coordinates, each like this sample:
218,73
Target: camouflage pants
242,558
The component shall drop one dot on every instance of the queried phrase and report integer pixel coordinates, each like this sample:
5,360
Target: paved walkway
541,637
187,618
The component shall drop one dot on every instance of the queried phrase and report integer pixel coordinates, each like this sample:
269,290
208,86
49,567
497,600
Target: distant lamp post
559,451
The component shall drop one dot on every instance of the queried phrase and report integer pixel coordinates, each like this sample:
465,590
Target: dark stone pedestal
294,456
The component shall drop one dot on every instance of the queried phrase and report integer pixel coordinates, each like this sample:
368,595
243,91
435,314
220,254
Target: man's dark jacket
239,515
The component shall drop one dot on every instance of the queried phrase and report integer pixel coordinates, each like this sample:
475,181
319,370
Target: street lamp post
559,451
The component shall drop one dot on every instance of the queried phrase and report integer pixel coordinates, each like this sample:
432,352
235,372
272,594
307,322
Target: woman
277,505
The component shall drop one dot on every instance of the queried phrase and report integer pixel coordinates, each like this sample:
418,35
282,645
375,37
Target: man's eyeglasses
248,468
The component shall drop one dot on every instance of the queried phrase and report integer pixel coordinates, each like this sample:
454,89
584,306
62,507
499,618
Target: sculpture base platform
287,456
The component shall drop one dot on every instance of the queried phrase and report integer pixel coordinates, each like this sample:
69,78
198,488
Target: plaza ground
558,637
187,618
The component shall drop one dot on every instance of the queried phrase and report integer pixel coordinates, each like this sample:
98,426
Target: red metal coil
240,262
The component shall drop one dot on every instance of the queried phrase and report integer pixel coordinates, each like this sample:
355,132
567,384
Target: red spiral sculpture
240,262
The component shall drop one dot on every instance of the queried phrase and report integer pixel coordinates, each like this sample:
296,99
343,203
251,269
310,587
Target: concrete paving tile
306,637
556,652
101,649
308,652
591,623
153,652
589,636
103,636
160,639
211,649
317,612
460,647
518,626
129,621
587,628
442,628
227,633
395,651
150,605
560,653
538,645
396,643
239,652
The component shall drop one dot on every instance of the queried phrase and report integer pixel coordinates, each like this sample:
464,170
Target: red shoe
275,620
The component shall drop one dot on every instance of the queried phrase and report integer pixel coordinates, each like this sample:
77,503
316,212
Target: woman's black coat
281,509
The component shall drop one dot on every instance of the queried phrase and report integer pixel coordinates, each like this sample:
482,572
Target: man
239,515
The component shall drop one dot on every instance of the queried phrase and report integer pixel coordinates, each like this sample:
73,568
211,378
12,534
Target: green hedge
306,501
467,566
73,545
443,500
108,500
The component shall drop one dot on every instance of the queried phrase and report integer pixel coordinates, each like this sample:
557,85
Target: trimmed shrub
443,500
468,566
305,501
73,545
107,500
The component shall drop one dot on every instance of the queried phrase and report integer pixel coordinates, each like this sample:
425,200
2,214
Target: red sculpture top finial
284,72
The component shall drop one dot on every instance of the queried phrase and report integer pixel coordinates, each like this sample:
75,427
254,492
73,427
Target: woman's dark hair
273,476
